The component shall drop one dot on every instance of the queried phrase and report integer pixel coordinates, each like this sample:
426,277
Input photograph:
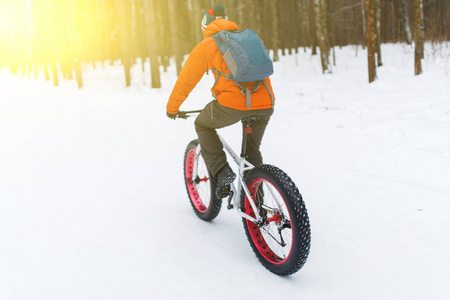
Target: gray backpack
246,58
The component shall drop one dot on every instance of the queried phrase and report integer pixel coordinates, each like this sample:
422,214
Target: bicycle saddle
248,121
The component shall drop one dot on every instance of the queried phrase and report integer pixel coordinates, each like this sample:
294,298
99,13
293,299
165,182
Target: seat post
247,130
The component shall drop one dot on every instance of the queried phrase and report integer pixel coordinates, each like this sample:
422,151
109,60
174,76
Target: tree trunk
378,32
55,74
77,70
364,20
239,12
46,73
406,18
312,26
152,42
122,13
446,25
322,34
371,40
274,28
330,25
306,41
175,33
419,36
197,15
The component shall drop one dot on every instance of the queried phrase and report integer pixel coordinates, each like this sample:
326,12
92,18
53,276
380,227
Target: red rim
192,188
270,252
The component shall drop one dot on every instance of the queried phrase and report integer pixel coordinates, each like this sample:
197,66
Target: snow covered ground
93,204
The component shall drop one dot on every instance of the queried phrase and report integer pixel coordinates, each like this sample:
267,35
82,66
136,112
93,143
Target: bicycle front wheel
283,239
201,188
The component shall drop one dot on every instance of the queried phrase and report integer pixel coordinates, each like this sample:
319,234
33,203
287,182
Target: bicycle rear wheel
283,240
201,188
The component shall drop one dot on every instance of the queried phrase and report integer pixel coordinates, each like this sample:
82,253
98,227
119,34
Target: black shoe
223,180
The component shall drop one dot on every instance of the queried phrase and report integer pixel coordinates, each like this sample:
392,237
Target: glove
172,116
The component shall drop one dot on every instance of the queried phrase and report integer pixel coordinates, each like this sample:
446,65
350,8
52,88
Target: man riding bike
229,105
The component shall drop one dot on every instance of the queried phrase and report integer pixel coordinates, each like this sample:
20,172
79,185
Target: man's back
206,56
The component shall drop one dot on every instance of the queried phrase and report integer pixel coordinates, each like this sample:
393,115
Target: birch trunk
322,34
419,36
406,20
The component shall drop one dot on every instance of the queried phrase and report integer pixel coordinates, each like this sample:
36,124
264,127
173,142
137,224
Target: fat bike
272,209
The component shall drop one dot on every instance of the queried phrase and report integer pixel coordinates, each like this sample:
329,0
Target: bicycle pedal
224,194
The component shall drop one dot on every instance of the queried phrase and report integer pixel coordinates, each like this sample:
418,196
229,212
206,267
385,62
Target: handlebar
187,114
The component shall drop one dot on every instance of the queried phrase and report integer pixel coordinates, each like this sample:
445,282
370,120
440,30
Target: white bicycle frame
243,165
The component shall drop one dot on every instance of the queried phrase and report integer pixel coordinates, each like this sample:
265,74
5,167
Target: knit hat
216,12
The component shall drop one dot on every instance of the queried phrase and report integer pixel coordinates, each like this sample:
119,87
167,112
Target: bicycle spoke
273,236
281,243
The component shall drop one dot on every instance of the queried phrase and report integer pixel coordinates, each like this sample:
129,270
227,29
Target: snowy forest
58,38
93,199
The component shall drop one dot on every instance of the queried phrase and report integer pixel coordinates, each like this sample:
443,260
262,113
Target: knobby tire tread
299,219
215,204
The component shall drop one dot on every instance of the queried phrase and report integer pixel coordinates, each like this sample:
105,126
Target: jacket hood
219,25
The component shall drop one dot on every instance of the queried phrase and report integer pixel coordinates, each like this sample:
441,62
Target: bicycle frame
243,165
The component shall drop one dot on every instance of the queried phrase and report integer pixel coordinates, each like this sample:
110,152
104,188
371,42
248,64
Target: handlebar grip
182,115
186,114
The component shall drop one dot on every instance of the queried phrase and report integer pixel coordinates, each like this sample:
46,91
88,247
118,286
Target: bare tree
274,28
371,40
364,22
406,18
312,27
152,42
175,33
197,15
377,32
123,16
305,27
418,36
322,34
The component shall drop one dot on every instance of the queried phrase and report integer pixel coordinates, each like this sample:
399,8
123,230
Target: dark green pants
215,116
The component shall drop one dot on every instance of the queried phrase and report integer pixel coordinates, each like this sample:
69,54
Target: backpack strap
245,91
218,76
270,92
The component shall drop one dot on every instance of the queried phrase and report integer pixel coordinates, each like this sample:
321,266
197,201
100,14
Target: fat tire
211,204
300,226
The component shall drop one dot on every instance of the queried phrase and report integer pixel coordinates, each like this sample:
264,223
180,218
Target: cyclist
229,104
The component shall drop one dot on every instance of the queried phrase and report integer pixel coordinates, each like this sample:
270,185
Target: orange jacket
205,56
